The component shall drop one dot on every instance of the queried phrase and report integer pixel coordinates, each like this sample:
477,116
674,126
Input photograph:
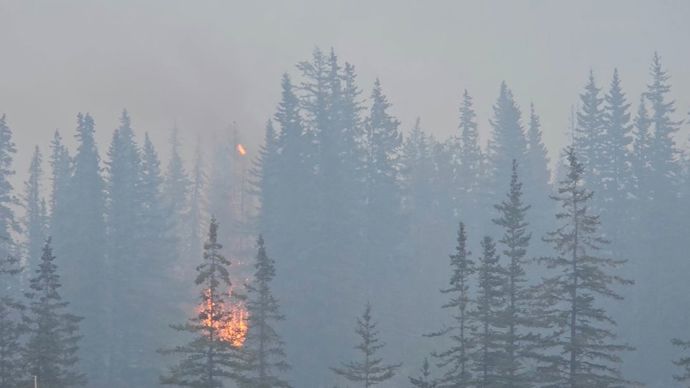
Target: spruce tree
470,163
61,173
267,181
12,327
383,144
518,316
209,358
51,350
83,241
459,336
197,203
590,134
176,193
582,351
370,369
8,222
664,154
265,348
489,358
35,222
424,380
536,177
507,141
641,163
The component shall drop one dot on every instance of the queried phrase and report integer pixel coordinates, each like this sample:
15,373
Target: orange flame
233,327
240,149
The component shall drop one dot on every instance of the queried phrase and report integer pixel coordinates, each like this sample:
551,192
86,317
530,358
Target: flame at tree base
233,326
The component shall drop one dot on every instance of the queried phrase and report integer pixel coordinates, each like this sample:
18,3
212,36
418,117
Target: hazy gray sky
205,64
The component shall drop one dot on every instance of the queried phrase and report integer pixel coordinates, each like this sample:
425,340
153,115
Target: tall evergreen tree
489,358
8,222
61,173
456,359
51,350
537,177
664,155
209,358
35,220
267,358
590,134
83,243
176,193
469,163
267,180
641,164
370,369
424,380
583,353
197,203
12,328
519,319
507,141
383,145
123,211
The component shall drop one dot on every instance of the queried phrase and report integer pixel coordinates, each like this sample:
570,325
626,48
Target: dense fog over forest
344,194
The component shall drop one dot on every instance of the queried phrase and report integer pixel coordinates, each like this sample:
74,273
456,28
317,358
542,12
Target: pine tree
417,169
8,223
263,343
507,141
536,177
61,173
424,380
590,134
35,222
370,369
457,357
383,145
12,328
641,163
663,154
123,211
518,314
176,192
267,181
86,283
683,362
582,353
51,350
197,203
469,163
489,358
210,357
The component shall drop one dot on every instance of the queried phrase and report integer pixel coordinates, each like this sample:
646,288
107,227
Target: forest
349,251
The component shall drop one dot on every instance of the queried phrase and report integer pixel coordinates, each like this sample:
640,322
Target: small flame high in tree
209,358
370,370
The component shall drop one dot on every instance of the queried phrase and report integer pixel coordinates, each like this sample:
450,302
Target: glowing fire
241,150
232,328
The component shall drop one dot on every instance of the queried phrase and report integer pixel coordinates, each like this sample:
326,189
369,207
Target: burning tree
215,352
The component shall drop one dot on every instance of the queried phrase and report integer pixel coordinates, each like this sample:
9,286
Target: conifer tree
664,154
383,143
537,177
617,174
469,161
197,204
209,358
507,141
51,350
176,192
641,164
456,359
8,223
267,181
424,380
61,173
265,348
83,234
35,221
370,369
590,134
489,358
518,316
12,328
583,348
417,167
